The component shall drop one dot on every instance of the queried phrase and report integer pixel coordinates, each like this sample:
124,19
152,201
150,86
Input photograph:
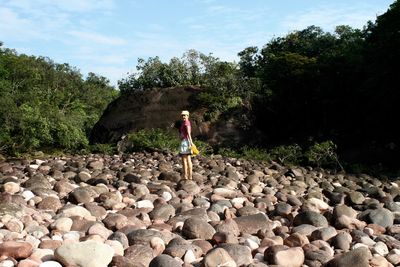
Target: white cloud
328,17
97,38
62,5
14,26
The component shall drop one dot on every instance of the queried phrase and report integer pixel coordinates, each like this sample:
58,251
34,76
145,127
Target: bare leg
190,167
184,167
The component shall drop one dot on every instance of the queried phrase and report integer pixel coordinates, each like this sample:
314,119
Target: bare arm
189,131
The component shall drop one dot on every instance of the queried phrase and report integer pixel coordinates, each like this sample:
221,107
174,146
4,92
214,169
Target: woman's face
185,117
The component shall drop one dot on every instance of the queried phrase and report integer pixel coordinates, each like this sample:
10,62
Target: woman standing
186,142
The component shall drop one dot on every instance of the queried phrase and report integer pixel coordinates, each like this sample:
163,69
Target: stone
283,208
16,250
342,241
228,226
381,216
324,233
70,210
225,192
142,253
120,237
296,240
356,197
197,228
380,248
310,217
318,256
344,210
11,187
82,195
50,264
144,236
11,209
83,176
50,203
288,257
163,213
99,229
42,254
77,254
63,224
379,261
164,260
358,257
240,254
218,257
121,261
253,223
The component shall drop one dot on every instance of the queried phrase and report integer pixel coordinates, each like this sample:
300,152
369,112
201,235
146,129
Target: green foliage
287,154
323,154
254,153
229,152
160,139
204,147
190,69
107,149
44,104
154,139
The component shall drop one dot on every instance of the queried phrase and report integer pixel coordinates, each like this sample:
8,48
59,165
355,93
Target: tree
44,104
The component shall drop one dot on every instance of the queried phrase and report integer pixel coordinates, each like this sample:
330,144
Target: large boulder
160,108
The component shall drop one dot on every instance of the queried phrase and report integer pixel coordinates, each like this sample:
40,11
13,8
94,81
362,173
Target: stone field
134,210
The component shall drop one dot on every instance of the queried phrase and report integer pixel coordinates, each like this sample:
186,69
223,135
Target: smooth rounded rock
16,250
164,261
218,257
77,254
358,257
197,228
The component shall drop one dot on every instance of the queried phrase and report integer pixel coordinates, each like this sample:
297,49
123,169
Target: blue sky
108,36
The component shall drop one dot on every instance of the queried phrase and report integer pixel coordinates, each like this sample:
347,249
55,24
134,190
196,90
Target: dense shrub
153,139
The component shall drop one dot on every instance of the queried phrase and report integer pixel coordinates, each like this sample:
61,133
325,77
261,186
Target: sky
108,36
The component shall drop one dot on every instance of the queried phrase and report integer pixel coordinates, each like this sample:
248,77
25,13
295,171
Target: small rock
164,260
197,228
218,257
358,257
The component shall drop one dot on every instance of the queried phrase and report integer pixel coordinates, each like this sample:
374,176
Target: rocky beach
134,210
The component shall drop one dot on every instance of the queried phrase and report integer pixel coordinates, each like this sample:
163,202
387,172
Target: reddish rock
16,250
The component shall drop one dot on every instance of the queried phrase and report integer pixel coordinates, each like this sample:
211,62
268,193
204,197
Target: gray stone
164,260
253,223
11,209
310,217
218,257
382,217
144,236
197,228
163,212
141,253
342,241
358,257
240,254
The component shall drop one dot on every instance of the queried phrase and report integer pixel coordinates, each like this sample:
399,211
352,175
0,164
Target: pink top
184,129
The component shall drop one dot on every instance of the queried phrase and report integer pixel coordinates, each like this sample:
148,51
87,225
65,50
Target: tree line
46,105
307,86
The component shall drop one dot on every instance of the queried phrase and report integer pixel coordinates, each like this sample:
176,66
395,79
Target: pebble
134,210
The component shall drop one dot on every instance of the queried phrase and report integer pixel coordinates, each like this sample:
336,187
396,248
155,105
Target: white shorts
185,148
